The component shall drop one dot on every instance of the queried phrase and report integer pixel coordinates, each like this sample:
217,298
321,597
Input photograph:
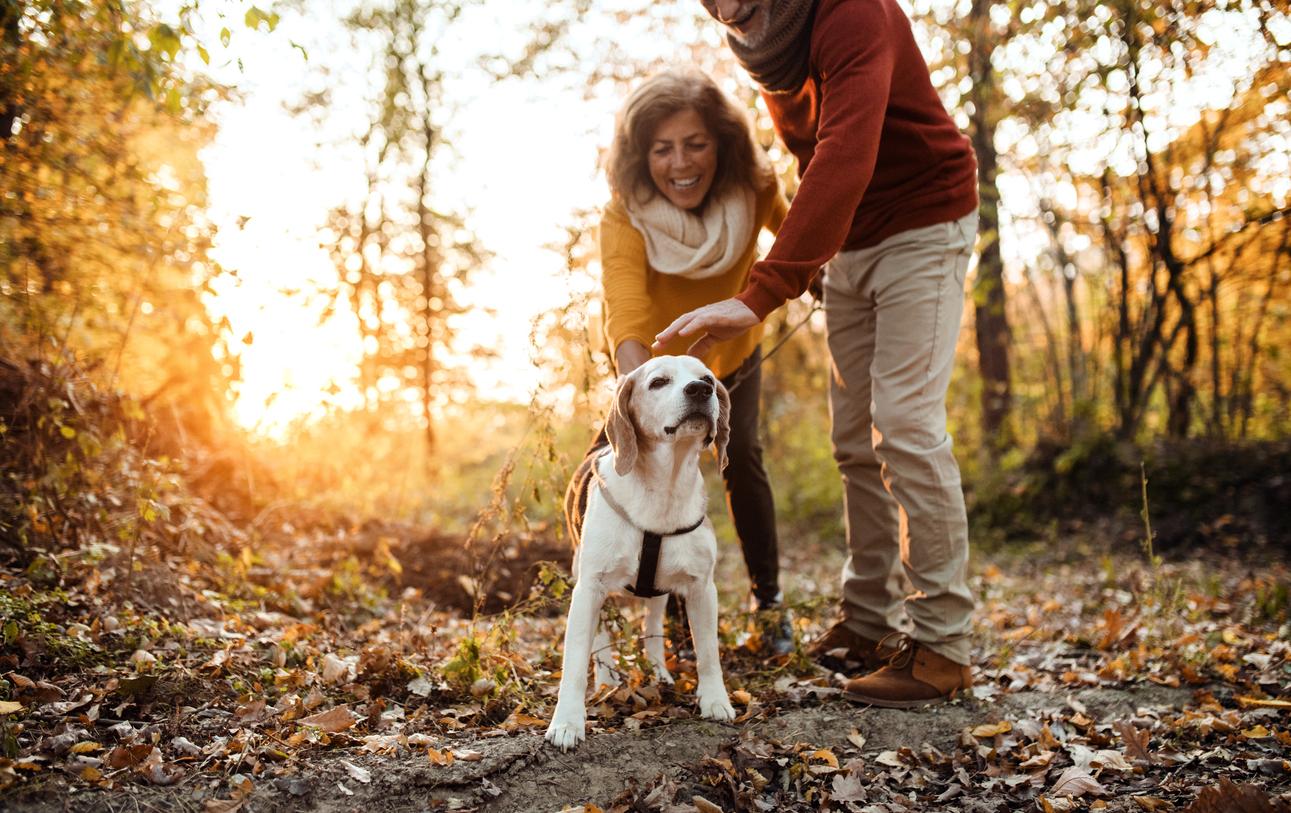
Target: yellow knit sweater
640,302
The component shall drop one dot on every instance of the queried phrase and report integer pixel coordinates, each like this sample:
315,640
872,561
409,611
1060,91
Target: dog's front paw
565,734
662,675
716,706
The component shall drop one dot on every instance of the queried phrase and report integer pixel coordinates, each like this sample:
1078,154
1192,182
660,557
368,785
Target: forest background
299,303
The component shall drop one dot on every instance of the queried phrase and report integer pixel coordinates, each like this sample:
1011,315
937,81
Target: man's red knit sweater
877,152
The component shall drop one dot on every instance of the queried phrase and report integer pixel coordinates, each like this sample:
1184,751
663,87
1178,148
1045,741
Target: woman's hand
714,323
629,355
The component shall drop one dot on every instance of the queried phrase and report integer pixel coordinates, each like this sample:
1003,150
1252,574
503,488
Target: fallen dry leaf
1076,782
518,720
362,775
1262,703
848,788
1136,741
252,712
331,721
438,757
993,729
1230,797
704,806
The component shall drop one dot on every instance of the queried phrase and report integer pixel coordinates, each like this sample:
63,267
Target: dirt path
510,774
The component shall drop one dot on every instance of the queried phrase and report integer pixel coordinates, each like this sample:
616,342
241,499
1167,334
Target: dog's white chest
611,552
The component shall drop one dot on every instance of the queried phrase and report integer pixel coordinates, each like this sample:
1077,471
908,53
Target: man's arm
855,57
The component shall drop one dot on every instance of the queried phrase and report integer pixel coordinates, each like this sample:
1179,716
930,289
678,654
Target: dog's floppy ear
723,434
621,429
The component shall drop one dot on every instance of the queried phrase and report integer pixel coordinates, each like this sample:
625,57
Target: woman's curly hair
739,158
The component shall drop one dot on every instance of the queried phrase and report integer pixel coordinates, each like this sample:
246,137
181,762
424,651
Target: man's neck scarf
779,63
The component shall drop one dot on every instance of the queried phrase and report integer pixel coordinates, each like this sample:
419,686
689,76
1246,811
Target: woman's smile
683,159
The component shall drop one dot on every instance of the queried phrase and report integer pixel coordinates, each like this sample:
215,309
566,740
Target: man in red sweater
887,205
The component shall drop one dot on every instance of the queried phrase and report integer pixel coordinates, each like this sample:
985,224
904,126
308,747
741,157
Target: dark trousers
748,491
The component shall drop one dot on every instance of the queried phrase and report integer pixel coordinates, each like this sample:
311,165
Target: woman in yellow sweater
690,192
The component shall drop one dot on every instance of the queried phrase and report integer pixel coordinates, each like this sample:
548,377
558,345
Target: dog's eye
659,382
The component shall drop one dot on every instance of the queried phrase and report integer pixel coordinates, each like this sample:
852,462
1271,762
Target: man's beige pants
893,313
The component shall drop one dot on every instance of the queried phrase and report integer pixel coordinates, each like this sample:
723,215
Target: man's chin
755,36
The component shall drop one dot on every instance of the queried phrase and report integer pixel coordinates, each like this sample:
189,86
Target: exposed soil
521,773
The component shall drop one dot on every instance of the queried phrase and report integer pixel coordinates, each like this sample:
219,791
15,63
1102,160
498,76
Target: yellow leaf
1255,702
85,747
91,774
438,757
1259,732
519,719
825,756
9,707
990,730
742,697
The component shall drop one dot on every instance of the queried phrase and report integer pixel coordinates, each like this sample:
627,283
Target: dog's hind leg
603,659
655,610
701,607
570,717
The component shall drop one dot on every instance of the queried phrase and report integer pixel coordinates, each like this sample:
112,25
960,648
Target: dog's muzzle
694,415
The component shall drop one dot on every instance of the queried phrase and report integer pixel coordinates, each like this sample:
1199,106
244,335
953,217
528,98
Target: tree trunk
989,298
429,288
10,12
429,261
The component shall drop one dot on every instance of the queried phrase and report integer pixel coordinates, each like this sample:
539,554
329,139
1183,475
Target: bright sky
520,165
524,160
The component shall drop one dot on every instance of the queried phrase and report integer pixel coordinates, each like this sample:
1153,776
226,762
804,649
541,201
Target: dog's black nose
698,390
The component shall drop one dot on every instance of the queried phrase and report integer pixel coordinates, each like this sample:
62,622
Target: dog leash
743,374
651,541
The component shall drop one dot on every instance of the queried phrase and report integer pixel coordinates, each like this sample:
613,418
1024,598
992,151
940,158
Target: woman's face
683,159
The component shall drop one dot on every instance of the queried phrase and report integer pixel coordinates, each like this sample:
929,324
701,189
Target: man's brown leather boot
914,676
842,650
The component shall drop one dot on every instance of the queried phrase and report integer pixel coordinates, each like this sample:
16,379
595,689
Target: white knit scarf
684,244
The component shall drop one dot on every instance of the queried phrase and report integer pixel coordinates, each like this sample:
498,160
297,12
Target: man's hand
713,323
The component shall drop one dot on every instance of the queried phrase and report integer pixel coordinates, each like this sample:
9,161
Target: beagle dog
637,514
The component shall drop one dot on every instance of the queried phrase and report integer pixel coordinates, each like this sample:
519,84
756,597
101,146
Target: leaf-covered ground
346,671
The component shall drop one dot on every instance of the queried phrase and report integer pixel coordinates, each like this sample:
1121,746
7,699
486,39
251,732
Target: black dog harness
651,543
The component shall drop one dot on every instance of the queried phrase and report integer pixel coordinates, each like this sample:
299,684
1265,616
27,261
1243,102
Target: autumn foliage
363,609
